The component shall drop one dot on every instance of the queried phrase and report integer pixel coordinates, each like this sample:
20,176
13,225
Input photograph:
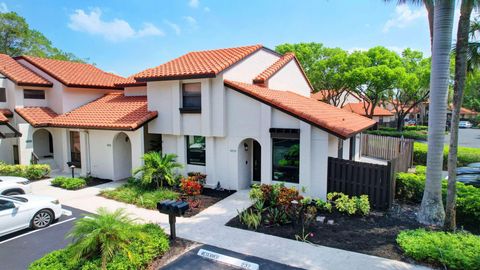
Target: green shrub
69,183
420,170
410,187
354,205
466,155
250,218
32,172
407,134
453,250
415,128
153,243
142,197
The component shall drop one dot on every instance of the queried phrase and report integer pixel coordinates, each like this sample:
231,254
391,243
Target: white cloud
191,21
174,26
194,3
3,7
115,30
404,16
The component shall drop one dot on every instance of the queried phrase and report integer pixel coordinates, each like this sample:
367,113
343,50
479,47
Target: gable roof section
199,64
74,74
336,121
130,82
359,108
111,112
262,78
20,74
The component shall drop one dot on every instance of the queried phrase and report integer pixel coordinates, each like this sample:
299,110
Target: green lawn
141,197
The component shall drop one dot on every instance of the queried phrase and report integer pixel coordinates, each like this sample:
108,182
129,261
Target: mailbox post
173,209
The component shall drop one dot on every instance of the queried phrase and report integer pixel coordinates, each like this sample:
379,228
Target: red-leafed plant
191,187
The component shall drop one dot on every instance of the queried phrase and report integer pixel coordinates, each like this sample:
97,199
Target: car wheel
42,219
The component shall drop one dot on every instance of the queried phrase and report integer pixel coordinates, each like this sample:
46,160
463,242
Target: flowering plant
190,186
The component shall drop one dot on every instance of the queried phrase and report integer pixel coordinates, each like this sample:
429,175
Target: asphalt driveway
18,250
469,137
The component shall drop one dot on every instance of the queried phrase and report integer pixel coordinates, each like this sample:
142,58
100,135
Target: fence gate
389,148
358,178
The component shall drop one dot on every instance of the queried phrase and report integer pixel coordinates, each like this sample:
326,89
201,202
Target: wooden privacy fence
358,178
389,148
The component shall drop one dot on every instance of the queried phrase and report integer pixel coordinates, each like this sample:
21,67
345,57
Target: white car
28,211
465,124
12,185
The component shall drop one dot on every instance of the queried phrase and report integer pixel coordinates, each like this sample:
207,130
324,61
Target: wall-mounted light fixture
245,146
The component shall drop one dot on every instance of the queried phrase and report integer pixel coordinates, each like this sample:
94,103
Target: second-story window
191,97
33,94
3,95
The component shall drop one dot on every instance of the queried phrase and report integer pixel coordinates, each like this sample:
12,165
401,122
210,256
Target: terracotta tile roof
463,110
20,74
359,108
75,74
263,77
324,116
198,64
112,112
6,112
37,116
129,82
320,95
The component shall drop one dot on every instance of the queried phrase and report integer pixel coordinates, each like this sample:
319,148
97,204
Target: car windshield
18,199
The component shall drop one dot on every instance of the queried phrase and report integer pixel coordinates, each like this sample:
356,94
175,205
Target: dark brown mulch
93,181
177,249
208,198
374,234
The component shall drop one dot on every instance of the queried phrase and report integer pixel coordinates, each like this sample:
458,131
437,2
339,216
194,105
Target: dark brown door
75,156
257,161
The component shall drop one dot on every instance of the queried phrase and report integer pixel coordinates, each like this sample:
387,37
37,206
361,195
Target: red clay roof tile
359,108
74,74
324,116
20,74
263,77
198,64
112,111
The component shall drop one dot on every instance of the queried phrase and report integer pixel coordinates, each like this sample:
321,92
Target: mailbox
173,209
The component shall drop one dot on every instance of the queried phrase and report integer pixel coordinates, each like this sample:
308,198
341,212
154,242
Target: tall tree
461,65
431,210
325,68
374,75
413,89
17,38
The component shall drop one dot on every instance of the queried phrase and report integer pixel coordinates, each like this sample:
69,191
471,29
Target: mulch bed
208,198
93,181
177,249
374,234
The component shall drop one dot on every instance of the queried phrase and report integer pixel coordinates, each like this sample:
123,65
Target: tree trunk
430,13
460,76
431,210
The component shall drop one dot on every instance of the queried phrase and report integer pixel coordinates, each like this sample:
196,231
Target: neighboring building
241,115
380,114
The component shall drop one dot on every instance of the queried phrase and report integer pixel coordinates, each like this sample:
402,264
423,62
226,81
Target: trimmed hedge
466,155
153,243
32,172
69,183
452,250
410,187
415,128
407,134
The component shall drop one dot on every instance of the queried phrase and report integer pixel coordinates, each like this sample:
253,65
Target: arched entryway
43,144
249,163
122,156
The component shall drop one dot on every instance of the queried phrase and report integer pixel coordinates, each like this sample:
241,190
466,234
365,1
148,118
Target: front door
75,154
257,161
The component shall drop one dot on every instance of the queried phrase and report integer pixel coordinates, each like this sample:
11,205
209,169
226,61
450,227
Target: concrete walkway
208,227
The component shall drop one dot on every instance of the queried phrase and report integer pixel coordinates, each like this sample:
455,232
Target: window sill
190,110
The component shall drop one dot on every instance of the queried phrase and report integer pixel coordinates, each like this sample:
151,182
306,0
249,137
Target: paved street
19,249
469,137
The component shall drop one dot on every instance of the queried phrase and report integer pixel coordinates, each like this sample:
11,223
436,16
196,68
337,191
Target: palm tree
461,68
102,235
431,210
157,169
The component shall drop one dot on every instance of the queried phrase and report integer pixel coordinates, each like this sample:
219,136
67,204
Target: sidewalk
208,227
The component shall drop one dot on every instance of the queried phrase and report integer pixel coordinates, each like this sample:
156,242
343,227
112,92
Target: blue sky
128,36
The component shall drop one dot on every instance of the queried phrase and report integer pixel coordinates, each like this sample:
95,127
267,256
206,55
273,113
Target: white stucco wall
290,78
251,66
135,91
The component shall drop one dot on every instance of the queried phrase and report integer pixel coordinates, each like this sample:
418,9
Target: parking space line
39,230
